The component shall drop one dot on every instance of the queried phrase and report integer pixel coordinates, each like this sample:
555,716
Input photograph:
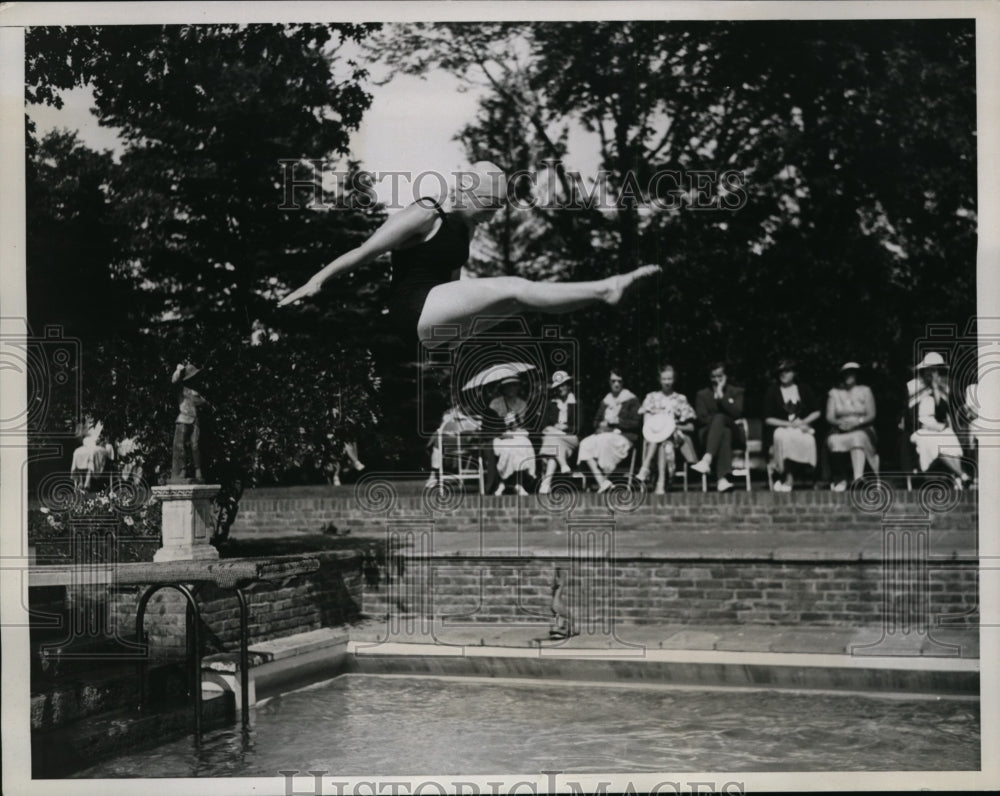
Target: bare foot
618,286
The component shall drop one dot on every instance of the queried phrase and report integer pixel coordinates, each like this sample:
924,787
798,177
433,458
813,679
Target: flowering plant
131,518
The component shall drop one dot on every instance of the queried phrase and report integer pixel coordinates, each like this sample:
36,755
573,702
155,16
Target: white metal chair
469,464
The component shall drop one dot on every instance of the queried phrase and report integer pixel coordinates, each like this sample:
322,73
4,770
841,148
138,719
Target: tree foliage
854,143
182,245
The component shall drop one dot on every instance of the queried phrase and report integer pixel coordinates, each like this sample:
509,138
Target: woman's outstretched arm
411,222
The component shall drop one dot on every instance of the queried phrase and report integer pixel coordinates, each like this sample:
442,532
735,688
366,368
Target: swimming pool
403,725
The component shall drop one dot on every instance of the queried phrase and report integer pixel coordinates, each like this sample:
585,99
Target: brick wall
325,598
268,513
810,593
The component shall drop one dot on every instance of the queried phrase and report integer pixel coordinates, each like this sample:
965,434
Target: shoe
565,469
336,480
431,482
604,487
724,485
659,490
545,487
702,466
643,474
359,466
521,490
840,486
781,486
500,490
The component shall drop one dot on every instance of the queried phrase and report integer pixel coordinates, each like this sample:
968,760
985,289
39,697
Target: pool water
363,724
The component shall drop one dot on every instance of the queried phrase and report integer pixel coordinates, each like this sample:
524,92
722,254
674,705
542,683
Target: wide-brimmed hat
186,372
658,427
510,380
559,377
849,366
931,359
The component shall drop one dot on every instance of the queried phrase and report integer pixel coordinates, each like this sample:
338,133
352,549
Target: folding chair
469,464
753,451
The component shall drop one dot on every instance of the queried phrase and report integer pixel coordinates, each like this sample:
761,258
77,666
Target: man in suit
717,409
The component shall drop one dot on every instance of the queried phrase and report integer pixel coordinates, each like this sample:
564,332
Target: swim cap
483,184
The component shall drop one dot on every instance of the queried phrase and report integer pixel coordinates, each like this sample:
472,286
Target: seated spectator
616,426
935,438
791,410
915,390
514,451
717,408
668,422
560,428
454,424
850,411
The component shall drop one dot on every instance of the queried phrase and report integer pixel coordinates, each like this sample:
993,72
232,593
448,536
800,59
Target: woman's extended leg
460,303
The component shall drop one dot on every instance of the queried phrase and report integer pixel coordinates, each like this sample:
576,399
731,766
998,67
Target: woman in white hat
561,428
429,243
850,411
935,438
514,451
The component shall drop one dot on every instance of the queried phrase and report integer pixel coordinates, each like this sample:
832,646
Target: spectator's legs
602,480
523,481
719,444
857,463
491,479
550,470
649,450
663,468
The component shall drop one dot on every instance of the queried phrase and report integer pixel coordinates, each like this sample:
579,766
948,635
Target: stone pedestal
187,522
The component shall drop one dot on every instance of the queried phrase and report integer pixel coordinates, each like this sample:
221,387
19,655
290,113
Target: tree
199,245
852,223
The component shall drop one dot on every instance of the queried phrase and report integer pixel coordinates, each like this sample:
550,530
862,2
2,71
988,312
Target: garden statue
187,431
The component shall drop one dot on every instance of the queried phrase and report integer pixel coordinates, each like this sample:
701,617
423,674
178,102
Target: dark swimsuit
417,270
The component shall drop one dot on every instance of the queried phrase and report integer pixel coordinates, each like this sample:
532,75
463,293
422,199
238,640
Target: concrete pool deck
820,659
943,643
